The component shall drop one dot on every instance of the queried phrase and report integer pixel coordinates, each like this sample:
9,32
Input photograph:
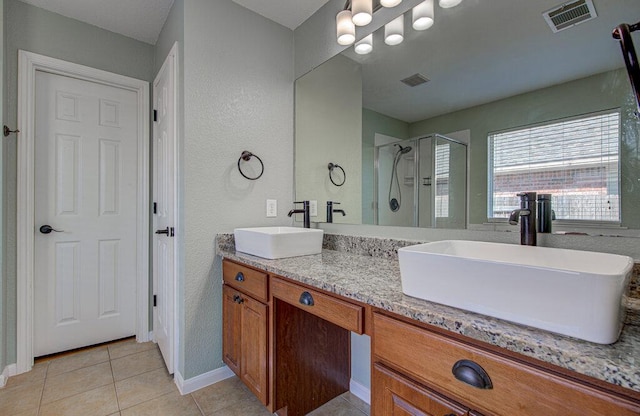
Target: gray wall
172,31
238,76
37,30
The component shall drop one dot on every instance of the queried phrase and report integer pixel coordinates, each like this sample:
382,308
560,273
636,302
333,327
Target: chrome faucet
527,217
330,210
304,211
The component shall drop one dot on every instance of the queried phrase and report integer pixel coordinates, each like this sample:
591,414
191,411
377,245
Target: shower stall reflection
421,183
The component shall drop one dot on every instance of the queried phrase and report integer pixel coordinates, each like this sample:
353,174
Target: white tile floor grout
125,378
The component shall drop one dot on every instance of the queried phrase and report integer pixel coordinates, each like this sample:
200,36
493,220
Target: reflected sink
278,242
570,292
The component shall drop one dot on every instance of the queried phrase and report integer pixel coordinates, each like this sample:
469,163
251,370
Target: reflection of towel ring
246,156
331,167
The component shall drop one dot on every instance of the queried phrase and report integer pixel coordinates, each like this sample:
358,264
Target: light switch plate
313,208
272,208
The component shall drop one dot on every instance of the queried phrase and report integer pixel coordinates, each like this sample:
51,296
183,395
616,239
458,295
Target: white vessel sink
278,242
570,292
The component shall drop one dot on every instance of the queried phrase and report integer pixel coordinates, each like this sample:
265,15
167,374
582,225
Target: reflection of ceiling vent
415,80
570,14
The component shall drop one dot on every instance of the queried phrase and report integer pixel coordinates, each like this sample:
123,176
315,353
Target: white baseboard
10,370
203,380
360,391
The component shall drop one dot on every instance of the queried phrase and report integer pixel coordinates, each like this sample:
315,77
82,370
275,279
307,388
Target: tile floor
125,378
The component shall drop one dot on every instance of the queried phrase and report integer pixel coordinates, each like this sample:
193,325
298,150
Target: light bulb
394,31
445,4
362,12
390,3
345,29
364,46
422,15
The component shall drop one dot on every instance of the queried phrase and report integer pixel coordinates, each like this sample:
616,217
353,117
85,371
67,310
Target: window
576,160
442,180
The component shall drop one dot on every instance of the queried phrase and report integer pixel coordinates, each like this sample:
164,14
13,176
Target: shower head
403,150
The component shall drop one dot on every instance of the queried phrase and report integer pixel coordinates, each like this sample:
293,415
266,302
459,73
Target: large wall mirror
500,85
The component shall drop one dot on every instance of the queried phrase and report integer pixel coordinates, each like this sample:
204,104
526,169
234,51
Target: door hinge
155,207
155,300
155,115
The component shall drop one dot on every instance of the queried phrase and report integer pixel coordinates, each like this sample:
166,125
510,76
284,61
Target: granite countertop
375,280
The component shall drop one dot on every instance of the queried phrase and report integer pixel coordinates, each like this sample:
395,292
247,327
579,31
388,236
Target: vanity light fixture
362,12
345,29
446,4
390,3
364,46
394,31
422,15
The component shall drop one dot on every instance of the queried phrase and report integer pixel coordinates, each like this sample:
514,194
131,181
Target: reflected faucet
545,213
330,210
304,211
527,217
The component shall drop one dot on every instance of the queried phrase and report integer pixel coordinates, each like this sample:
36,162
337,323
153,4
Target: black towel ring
246,156
333,166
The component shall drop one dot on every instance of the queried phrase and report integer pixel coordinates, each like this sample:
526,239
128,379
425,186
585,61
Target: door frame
28,64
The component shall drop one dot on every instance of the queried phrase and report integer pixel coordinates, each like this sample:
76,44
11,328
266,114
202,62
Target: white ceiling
289,13
143,19
138,19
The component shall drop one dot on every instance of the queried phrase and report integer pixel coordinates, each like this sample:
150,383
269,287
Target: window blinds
576,160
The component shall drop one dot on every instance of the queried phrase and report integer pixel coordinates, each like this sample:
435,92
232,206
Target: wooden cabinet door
231,329
254,360
393,395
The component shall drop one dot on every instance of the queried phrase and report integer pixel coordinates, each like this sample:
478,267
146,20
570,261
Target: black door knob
46,229
167,231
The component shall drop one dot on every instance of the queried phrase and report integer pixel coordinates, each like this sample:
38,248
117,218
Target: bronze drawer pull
472,374
240,277
306,299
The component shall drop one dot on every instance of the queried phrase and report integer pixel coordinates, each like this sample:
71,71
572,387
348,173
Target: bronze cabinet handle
306,299
472,374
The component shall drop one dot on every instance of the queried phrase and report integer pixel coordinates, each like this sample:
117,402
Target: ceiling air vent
415,80
570,14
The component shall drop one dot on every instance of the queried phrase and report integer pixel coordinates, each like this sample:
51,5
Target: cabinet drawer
339,312
394,395
518,388
251,282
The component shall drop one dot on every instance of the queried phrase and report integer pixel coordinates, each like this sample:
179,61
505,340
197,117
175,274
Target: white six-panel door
164,198
85,187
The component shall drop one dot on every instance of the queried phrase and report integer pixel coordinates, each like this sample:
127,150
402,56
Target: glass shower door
442,188
395,178
450,185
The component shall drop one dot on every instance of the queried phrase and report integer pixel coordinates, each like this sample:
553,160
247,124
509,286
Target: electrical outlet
272,208
313,208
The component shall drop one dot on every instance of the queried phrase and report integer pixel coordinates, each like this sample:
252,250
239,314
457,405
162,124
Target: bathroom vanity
287,327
